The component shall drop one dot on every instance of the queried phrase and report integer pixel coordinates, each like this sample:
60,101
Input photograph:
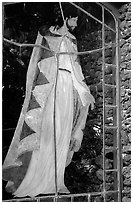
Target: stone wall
125,69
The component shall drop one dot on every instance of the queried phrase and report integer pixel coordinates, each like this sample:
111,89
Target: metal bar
120,185
111,149
61,196
27,45
105,7
89,198
72,199
65,53
103,82
8,129
54,121
112,65
111,127
84,11
111,106
110,170
62,11
111,85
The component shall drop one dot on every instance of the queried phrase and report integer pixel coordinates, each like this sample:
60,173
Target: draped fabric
54,91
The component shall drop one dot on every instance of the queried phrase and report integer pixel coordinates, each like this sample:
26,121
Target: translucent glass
110,137
64,199
110,95
92,8
80,199
111,197
109,19
48,199
110,116
110,159
111,181
110,75
97,198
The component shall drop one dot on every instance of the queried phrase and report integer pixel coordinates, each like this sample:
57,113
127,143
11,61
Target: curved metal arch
111,9
108,7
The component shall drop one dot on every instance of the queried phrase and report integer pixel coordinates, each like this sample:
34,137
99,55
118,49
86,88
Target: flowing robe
55,108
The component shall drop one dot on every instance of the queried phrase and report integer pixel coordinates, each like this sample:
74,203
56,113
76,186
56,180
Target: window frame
55,198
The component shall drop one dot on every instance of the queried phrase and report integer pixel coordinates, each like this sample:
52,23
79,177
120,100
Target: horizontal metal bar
88,51
111,149
111,127
8,129
108,170
110,85
58,53
112,65
62,196
9,3
111,106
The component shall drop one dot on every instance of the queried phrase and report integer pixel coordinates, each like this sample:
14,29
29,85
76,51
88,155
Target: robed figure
52,118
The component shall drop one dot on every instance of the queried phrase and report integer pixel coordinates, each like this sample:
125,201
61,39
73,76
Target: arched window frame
115,14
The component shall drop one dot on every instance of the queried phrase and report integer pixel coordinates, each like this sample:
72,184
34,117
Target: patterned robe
57,101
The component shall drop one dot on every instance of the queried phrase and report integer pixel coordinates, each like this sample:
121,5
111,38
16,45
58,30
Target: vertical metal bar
54,122
103,86
72,199
62,12
119,159
89,198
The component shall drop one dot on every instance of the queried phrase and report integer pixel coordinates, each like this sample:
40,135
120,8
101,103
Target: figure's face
72,22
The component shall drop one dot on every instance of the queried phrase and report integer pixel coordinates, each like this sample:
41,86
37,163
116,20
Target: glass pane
92,8
110,74
80,199
110,40
64,199
111,197
110,95
89,34
110,57
110,137
92,68
111,181
110,116
46,199
97,198
109,19
109,36
111,159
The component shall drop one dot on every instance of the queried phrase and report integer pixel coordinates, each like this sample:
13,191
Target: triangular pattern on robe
26,131
33,103
41,79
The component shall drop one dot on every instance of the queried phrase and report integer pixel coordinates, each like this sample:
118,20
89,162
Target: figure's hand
90,100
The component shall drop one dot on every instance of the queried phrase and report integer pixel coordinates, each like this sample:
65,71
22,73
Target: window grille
110,84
